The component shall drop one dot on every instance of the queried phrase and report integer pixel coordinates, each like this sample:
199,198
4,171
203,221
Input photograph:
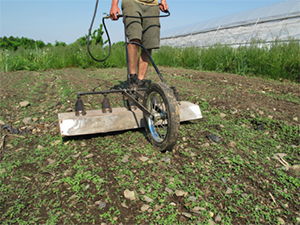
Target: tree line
13,43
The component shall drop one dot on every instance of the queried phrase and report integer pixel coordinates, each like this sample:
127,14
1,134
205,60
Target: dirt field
236,180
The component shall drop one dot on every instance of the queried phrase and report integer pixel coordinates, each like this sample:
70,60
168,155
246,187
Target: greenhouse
276,22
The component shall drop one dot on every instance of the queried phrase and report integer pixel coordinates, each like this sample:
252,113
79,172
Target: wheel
163,127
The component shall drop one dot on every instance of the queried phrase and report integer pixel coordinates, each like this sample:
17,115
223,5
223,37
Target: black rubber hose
89,36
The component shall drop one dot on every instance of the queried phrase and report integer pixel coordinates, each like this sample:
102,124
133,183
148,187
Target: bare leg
143,64
133,55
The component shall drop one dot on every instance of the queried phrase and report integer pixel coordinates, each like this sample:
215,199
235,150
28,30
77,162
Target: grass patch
279,60
45,179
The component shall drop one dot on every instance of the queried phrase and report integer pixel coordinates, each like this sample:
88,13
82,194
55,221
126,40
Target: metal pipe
99,92
139,105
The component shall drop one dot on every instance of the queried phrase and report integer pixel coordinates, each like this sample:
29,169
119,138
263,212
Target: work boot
133,80
140,83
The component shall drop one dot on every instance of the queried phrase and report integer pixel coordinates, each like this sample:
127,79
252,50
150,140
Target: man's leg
143,64
133,55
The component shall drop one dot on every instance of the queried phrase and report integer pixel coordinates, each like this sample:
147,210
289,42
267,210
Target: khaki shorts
147,30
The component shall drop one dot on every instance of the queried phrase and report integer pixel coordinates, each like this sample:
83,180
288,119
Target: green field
278,60
249,175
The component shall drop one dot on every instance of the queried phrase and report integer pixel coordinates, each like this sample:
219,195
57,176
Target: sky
68,20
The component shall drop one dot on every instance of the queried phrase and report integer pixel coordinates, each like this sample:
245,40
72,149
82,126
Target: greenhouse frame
276,22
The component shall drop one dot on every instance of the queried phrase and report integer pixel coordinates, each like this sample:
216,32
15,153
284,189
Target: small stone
222,115
143,191
218,218
69,110
89,156
51,161
206,145
232,144
245,195
227,161
234,112
211,214
261,112
280,220
125,159
147,199
197,210
144,159
193,154
193,198
83,144
173,204
168,190
2,171
167,159
180,193
39,147
102,205
223,180
228,191
97,203
296,119
76,155
129,194
214,137
1,123
188,215
24,103
67,173
27,121
145,208
124,205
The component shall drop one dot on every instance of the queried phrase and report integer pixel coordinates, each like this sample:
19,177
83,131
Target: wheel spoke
157,107
163,125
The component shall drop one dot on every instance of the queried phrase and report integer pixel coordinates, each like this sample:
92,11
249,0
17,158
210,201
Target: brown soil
223,92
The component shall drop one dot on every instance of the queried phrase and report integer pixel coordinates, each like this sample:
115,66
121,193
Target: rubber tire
172,112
